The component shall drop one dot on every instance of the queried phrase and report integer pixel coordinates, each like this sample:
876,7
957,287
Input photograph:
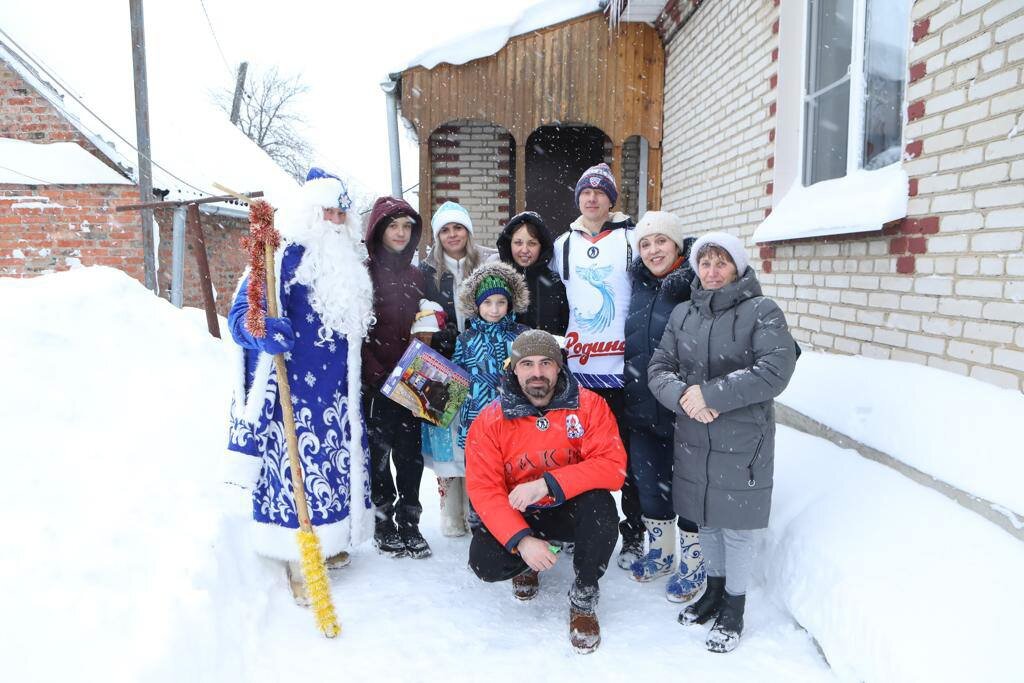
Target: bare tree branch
269,118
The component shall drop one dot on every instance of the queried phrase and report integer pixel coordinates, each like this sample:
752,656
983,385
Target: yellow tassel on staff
319,591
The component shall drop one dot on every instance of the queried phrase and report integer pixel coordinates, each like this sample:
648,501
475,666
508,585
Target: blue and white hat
326,190
599,178
450,212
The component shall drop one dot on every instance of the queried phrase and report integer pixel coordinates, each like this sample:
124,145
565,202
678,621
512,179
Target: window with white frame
839,122
854,79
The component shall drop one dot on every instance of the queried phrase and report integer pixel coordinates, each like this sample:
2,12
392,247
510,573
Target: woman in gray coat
724,357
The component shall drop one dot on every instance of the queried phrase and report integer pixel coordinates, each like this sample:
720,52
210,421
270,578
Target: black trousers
588,520
632,527
393,431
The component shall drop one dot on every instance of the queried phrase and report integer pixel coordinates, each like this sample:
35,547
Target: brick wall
944,287
224,253
470,164
50,228
629,191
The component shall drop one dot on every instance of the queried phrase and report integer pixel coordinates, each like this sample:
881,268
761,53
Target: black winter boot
415,545
386,538
725,634
709,604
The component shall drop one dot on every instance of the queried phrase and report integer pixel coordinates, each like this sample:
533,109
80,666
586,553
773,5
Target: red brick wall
224,253
49,228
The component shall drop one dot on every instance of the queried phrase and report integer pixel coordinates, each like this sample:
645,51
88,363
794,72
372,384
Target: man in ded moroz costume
326,305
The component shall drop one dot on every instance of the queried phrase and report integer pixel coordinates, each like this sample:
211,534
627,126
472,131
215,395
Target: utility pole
142,134
236,103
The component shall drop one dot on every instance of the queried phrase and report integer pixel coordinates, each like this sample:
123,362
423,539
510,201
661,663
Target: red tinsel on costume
261,233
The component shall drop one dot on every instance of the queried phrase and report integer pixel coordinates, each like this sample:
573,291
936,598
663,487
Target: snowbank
957,429
126,558
485,43
896,582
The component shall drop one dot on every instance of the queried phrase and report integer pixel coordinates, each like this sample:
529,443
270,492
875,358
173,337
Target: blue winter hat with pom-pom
319,178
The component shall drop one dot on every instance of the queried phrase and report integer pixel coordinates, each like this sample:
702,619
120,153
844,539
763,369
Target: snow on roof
858,202
484,43
60,163
87,75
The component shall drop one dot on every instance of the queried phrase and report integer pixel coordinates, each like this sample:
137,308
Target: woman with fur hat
489,299
723,359
526,245
661,280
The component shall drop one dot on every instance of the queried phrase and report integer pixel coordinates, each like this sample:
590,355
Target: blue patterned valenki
689,578
661,551
481,351
325,385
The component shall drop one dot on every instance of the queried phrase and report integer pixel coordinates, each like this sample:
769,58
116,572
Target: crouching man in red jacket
541,462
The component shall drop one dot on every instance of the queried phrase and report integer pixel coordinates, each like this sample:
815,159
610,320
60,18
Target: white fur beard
340,289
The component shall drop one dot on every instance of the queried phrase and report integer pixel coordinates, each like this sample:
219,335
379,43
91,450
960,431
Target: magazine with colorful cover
428,384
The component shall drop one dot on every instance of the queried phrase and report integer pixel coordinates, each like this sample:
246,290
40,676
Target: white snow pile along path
959,430
127,558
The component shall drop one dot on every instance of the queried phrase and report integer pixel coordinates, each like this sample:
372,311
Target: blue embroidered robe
325,385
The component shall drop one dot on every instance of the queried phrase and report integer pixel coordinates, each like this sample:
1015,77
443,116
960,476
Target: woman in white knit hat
724,357
453,257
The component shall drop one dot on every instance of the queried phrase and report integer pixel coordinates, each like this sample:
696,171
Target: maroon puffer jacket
397,290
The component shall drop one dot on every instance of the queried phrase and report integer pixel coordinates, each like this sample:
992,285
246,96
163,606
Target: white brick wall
951,299
481,155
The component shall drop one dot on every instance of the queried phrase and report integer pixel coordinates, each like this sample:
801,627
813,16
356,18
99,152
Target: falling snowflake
295,400
309,317
279,338
332,347
310,379
287,355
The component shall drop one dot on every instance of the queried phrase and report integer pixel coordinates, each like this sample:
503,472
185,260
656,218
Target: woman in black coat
661,280
526,245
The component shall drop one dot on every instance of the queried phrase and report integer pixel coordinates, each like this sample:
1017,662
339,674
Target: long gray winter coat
735,344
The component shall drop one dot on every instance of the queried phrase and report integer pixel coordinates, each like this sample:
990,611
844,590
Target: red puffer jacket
578,450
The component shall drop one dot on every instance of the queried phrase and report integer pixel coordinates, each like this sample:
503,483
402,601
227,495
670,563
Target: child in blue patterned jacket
489,297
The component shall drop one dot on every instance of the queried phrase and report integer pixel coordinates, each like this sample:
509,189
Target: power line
72,95
44,182
215,41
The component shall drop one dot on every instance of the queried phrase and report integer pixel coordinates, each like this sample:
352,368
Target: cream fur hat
730,243
662,223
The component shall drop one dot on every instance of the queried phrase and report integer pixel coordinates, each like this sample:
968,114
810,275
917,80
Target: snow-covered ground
127,560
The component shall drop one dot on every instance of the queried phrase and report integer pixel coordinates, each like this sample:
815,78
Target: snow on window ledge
861,201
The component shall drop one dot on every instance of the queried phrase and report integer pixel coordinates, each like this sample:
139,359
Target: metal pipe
178,258
390,88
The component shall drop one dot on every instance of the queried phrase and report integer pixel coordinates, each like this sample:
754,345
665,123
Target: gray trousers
730,553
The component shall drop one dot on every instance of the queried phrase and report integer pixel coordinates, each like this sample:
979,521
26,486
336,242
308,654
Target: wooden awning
576,72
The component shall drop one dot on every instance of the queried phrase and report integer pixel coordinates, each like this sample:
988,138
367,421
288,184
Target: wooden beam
205,283
654,178
186,202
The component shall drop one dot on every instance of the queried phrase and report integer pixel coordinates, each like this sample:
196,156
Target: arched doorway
556,157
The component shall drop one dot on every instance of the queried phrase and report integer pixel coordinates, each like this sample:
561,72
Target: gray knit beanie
536,343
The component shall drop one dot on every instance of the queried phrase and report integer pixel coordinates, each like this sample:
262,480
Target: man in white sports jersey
593,259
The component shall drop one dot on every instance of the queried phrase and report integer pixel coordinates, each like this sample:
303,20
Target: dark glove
279,338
